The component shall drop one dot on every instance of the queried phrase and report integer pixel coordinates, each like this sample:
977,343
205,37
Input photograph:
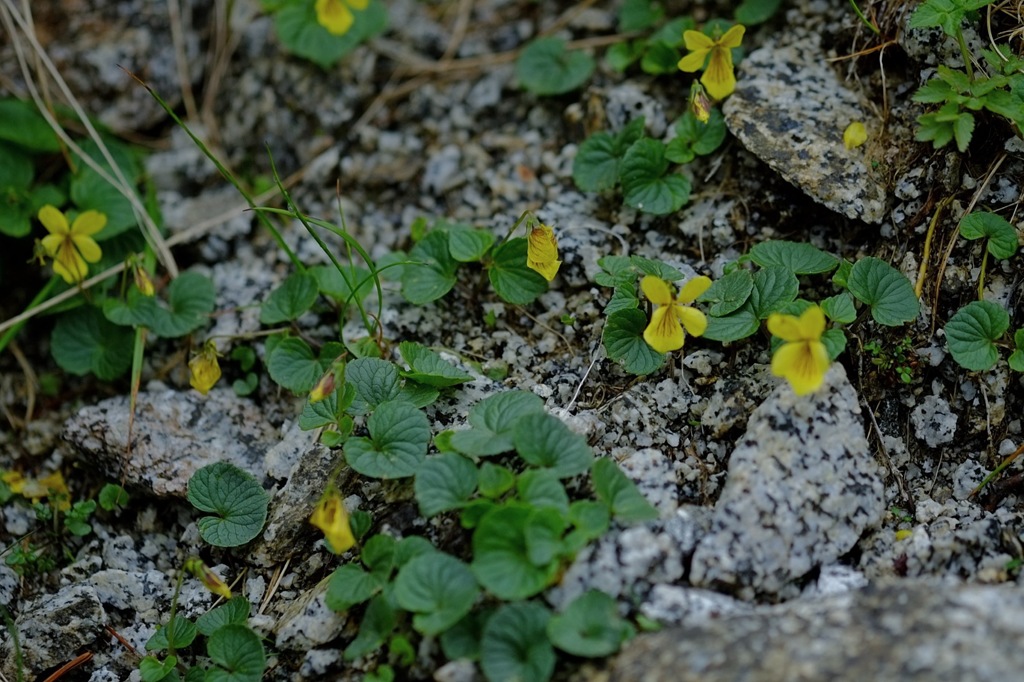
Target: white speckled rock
802,487
309,621
933,421
790,109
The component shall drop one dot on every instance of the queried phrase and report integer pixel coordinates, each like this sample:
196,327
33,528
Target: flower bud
700,103
204,368
198,568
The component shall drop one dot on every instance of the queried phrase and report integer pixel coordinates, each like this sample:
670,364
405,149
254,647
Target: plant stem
963,51
864,19
981,275
39,298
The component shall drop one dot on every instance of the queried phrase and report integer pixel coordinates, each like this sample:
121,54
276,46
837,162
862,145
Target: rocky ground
825,537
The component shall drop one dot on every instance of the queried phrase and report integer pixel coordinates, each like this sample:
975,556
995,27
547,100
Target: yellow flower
665,331
331,518
71,246
855,135
700,105
142,280
335,15
542,251
210,580
204,368
803,358
718,77
51,486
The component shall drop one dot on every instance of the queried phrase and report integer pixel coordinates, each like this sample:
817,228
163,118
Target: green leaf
237,499
752,12
596,166
151,669
841,276
468,245
694,137
351,585
738,325
427,367
339,285
432,272
26,127
493,421
399,434
638,15
620,55
590,517
835,342
620,494
319,414
1002,236
438,588
649,266
178,633
293,365
591,626
885,289
190,300
972,332
515,645
237,653
234,611
659,58
379,554
375,381
623,298
90,191
543,440
501,558
112,497
729,293
495,480
84,341
419,395
623,339
645,184
938,13
543,532
840,308
293,297
540,488
510,276
302,35
377,625
462,640
545,67
444,482
409,548
774,286
800,258
1016,359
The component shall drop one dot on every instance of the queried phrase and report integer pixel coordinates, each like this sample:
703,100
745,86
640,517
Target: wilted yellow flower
71,246
700,104
142,280
204,369
210,580
718,76
331,517
671,316
802,359
51,486
323,388
542,251
855,135
335,15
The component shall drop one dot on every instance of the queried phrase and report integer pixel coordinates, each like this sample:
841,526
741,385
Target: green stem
526,214
864,19
981,275
963,51
43,294
174,607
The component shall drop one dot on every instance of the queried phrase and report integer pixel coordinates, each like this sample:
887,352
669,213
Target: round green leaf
190,300
431,273
501,555
840,308
618,492
399,435
375,381
1016,359
511,278
235,611
515,645
293,365
295,296
590,517
493,421
468,245
541,488
112,496
462,640
738,325
649,266
444,482
318,414
659,58
350,585
623,339
773,286
544,67
438,588
800,258
591,626
729,293
1002,236
235,496
339,284
377,625
645,185
751,12
884,288
543,440
596,166
694,137
84,341
427,367
835,342
495,480
972,332
237,654
90,191
178,633
26,127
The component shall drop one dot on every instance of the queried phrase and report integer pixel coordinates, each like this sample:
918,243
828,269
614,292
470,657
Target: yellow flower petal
204,369
542,251
812,323
656,290
358,4
51,243
693,61
803,364
855,135
334,16
693,320
718,78
89,223
87,246
697,41
331,517
809,326
733,37
664,333
547,270
53,220
694,288
69,264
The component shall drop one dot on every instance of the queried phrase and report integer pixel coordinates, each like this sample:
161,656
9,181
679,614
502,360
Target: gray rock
309,621
676,605
790,110
51,629
933,421
174,434
627,102
801,489
909,630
